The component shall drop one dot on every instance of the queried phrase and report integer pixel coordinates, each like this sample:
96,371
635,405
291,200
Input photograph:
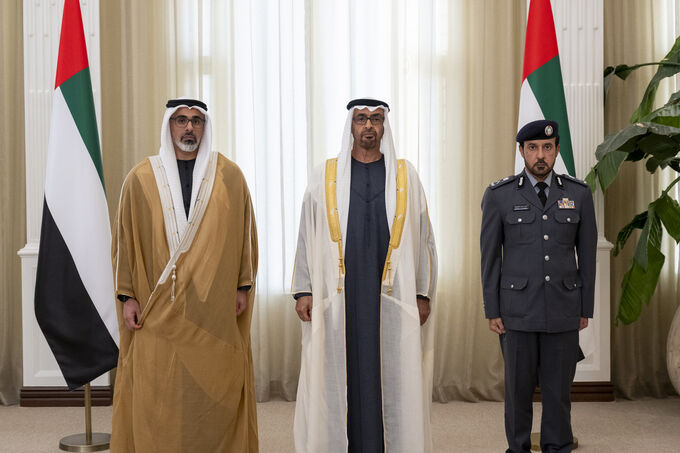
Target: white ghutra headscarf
167,155
344,172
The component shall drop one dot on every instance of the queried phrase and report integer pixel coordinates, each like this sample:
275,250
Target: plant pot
673,351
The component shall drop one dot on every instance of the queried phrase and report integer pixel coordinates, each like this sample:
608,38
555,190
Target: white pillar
42,26
579,28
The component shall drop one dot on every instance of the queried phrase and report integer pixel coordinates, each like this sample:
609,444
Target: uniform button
545,237
574,285
545,217
547,278
519,220
512,286
547,258
568,219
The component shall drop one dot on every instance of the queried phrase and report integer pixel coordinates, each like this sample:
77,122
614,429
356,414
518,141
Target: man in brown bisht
185,259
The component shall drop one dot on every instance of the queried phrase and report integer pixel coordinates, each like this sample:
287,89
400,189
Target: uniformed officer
538,249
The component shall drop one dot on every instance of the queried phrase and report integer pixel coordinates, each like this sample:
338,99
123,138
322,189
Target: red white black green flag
74,298
542,93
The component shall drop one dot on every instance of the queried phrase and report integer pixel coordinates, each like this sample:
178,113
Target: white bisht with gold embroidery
406,346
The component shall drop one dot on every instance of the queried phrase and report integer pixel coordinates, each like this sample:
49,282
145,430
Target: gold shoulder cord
332,214
334,221
398,222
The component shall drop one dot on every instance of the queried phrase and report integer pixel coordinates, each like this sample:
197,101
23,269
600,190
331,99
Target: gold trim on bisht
398,221
332,214
334,220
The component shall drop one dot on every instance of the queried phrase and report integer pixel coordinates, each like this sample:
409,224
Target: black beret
538,130
368,103
188,102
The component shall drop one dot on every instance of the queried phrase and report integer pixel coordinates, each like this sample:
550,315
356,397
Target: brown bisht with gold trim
185,379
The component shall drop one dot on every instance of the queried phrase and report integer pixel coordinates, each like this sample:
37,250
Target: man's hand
131,314
303,307
583,324
241,301
496,325
423,309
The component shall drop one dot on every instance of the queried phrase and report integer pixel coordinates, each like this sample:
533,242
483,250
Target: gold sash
334,220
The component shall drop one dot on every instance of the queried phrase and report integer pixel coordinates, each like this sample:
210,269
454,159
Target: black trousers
548,359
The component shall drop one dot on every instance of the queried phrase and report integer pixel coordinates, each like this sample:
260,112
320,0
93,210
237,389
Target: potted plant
652,138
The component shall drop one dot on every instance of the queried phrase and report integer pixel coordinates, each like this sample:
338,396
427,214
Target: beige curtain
451,70
483,77
638,32
12,199
136,77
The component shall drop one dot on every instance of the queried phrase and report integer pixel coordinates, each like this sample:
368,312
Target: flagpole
87,441
88,414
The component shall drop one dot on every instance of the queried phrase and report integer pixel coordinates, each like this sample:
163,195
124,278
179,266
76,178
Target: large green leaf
670,66
669,114
638,222
608,168
636,155
591,179
652,164
660,146
621,140
650,238
668,211
674,164
638,286
630,139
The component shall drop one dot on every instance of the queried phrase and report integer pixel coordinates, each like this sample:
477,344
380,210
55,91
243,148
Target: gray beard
186,147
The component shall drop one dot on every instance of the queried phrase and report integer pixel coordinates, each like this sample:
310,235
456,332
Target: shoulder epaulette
576,180
502,182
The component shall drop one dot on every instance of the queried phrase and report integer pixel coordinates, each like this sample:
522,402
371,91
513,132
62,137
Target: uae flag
542,93
542,97
74,298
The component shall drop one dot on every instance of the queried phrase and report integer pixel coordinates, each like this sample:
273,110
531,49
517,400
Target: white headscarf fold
167,155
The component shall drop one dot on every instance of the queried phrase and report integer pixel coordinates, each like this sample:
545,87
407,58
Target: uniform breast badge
566,203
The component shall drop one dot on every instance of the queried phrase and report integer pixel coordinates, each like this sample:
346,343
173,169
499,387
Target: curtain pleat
12,198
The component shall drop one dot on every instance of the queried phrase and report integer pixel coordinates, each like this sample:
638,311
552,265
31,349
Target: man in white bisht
364,288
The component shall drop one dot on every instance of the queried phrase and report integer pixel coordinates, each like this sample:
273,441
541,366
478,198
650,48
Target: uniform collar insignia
520,183
559,181
566,203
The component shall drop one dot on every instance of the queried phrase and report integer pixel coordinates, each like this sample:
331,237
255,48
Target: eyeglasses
182,121
375,119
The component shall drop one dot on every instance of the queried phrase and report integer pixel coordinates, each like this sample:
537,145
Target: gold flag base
87,441
79,442
536,442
